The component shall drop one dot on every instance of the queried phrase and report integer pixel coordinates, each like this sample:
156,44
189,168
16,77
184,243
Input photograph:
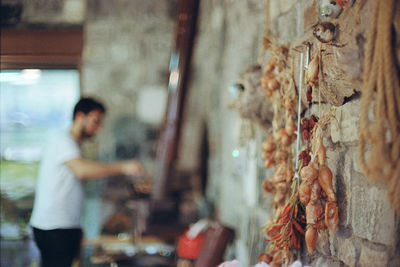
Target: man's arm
90,169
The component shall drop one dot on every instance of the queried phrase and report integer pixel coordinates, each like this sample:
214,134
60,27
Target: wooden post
179,68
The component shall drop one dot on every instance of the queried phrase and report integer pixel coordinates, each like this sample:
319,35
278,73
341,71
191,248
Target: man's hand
132,167
90,169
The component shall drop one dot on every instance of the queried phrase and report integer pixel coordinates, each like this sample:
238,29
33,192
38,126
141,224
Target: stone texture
286,5
98,32
347,251
74,11
354,156
43,11
274,9
287,26
378,220
394,262
319,262
255,243
376,223
310,15
322,245
348,122
96,53
333,263
324,262
373,256
335,156
231,195
127,47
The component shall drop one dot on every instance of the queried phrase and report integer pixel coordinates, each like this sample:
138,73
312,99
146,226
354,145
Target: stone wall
127,46
228,42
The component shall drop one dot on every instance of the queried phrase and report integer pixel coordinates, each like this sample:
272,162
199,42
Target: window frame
41,48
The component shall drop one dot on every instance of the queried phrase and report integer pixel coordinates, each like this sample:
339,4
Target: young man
57,208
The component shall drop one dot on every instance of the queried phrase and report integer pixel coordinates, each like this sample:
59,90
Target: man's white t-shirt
59,193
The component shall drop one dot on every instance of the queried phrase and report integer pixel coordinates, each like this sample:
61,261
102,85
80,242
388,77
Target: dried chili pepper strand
285,220
297,245
285,210
298,227
287,235
279,243
273,238
286,247
293,238
276,227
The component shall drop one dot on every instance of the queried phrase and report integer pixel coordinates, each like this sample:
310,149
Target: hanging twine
267,31
379,134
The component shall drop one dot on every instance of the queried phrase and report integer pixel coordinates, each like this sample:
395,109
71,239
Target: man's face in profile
92,123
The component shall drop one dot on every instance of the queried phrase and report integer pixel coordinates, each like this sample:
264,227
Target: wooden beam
47,48
179,73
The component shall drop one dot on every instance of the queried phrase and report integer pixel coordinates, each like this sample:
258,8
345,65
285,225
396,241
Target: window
34,104
39,85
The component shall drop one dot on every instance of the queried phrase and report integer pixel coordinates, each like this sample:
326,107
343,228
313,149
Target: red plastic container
189,248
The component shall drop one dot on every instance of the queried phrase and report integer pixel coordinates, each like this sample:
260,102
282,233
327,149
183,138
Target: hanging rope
267,31
379,134
301,70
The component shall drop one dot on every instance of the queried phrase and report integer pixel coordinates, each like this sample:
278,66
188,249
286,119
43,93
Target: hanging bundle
379,134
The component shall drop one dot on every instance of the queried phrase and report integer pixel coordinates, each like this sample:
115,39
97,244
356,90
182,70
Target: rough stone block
287,27
333,263
373,256
254,238
274,9
348,117
324,262
347,251
373,217
119,53
319,262
255,5
394,262
300,6
262,215
322,245
231,217
98,32
74,11
96,53
98,9
332,242
48,12
241,255
286,5
310,15
334,160
354,156
341,182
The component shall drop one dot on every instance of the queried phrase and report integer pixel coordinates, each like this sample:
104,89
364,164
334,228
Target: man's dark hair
86,105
